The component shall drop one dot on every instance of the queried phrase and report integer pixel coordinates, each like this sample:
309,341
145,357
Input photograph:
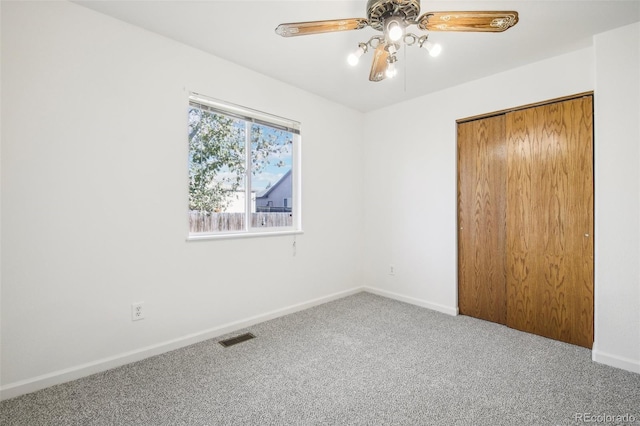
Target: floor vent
235,340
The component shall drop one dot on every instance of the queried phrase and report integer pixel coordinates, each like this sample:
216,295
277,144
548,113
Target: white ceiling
242,31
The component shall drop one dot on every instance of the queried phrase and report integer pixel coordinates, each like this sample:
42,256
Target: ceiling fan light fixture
392,19
354,57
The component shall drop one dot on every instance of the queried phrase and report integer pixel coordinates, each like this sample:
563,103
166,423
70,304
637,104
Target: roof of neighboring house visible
265,192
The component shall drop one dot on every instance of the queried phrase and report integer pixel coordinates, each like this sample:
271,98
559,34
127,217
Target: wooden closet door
550,221
481,219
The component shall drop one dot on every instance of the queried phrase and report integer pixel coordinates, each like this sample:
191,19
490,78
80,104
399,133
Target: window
243,171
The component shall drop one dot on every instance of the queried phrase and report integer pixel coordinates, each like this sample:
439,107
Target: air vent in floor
235,340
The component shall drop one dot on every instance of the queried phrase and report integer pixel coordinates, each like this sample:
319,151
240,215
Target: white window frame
258,117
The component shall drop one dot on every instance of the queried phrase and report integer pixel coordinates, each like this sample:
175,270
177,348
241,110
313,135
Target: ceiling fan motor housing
379,10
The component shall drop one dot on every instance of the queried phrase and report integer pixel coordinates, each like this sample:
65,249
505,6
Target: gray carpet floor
361,360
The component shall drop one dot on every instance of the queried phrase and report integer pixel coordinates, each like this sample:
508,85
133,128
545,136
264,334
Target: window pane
216,172
271,176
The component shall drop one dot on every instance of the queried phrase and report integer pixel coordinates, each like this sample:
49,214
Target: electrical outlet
137,311
392,270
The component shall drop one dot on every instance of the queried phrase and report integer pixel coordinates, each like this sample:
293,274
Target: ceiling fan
392,17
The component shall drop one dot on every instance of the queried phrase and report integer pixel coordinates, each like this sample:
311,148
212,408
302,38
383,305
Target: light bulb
394,28
354,58
394,31
391,71
434,49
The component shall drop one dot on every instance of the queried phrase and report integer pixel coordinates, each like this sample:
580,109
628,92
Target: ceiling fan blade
379,64
480,21
317,27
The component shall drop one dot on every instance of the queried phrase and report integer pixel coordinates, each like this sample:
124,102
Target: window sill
239,235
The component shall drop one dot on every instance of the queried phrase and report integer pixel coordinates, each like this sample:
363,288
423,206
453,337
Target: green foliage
217,157
266,146
216,160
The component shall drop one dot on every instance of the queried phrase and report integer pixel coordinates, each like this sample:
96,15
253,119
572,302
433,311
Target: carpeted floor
361,360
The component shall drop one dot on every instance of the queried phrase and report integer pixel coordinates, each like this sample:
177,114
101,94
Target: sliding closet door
481,219
549,218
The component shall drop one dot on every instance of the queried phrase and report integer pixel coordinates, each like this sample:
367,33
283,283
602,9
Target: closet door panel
481,219
550,221
521,247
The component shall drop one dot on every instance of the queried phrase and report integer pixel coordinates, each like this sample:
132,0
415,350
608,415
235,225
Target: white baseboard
15,389
414,301
611,360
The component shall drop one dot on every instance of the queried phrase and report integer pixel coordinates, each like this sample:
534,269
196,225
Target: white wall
617,186
415,162
94,193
